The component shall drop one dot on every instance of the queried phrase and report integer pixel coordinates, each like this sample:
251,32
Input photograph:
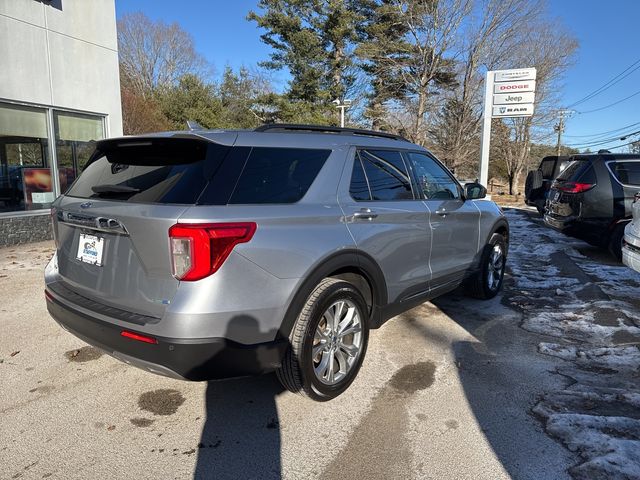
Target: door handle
365,214
442,212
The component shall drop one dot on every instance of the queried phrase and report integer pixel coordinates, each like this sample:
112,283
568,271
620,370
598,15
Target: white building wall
61,53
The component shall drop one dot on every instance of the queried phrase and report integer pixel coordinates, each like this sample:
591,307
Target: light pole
342,105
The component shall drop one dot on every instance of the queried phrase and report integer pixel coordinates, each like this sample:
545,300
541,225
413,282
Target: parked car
631,240
591,199
538,182
213,254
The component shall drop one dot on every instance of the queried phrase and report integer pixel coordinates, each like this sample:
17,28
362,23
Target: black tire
534,182
614,245
297,371
479,285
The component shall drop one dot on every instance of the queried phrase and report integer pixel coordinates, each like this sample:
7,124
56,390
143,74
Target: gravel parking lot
517,387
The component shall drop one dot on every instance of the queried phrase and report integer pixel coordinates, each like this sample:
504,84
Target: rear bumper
188,359
562,224
631,251
631,258
594,232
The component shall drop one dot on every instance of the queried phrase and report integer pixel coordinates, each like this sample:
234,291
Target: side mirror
474,191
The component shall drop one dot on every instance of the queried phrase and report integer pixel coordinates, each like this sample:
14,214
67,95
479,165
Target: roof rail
327,129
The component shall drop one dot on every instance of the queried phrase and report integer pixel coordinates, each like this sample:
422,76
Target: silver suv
214,254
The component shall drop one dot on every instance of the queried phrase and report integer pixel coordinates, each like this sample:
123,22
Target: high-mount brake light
575,187
199,249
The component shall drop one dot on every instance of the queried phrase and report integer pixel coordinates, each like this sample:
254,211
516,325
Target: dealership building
59,93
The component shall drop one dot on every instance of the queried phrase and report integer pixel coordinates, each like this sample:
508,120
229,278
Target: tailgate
130,248
112,226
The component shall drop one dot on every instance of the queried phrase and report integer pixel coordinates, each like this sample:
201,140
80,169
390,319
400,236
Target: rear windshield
578,171
187,171
626,172
173,171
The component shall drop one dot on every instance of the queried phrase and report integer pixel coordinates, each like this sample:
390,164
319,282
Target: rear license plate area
90,249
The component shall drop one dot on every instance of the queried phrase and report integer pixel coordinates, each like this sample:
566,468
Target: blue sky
607,32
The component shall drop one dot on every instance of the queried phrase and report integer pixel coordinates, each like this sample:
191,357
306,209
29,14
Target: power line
612,104
603,142
618,78
608,132
624,145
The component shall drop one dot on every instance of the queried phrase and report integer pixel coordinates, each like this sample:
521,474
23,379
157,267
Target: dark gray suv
216,254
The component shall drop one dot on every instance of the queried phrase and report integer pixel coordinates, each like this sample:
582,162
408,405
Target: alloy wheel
337,342
495,269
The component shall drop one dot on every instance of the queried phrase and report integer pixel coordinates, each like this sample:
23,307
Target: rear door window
171,171
359,188
626,172
278,175
385,174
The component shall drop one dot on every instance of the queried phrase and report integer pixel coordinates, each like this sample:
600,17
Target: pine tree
384,54
314,40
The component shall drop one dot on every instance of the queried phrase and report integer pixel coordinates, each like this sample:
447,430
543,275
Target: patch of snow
610,446
615,358
577,321
598,415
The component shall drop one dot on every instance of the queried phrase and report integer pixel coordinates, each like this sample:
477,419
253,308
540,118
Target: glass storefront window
25,172
75,137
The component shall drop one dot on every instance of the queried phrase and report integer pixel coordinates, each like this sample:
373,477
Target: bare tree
154,54
432,30
488,38
548,48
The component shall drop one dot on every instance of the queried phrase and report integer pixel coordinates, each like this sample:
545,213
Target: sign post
507,93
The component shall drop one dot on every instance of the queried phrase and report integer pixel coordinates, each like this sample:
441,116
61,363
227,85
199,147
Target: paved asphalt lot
446,391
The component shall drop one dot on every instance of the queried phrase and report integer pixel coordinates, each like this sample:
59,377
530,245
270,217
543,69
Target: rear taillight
574,187
198,250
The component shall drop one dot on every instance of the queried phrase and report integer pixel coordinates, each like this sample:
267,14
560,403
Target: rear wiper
99,189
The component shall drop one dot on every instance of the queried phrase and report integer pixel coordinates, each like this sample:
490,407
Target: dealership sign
511,98
507,94
514,75
520,86
513,92
521,110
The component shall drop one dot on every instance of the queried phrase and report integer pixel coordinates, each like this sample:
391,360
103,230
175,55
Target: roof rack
327,129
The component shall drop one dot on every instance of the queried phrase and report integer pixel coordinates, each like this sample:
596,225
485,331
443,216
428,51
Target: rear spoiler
159,149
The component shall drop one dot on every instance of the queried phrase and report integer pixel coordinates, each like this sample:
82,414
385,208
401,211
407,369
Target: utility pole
342,105
559,127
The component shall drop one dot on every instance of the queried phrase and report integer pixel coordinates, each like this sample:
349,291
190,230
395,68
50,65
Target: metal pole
485,139
342,107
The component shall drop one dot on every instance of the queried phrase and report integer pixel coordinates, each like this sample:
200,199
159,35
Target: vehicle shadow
503,376
241,434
